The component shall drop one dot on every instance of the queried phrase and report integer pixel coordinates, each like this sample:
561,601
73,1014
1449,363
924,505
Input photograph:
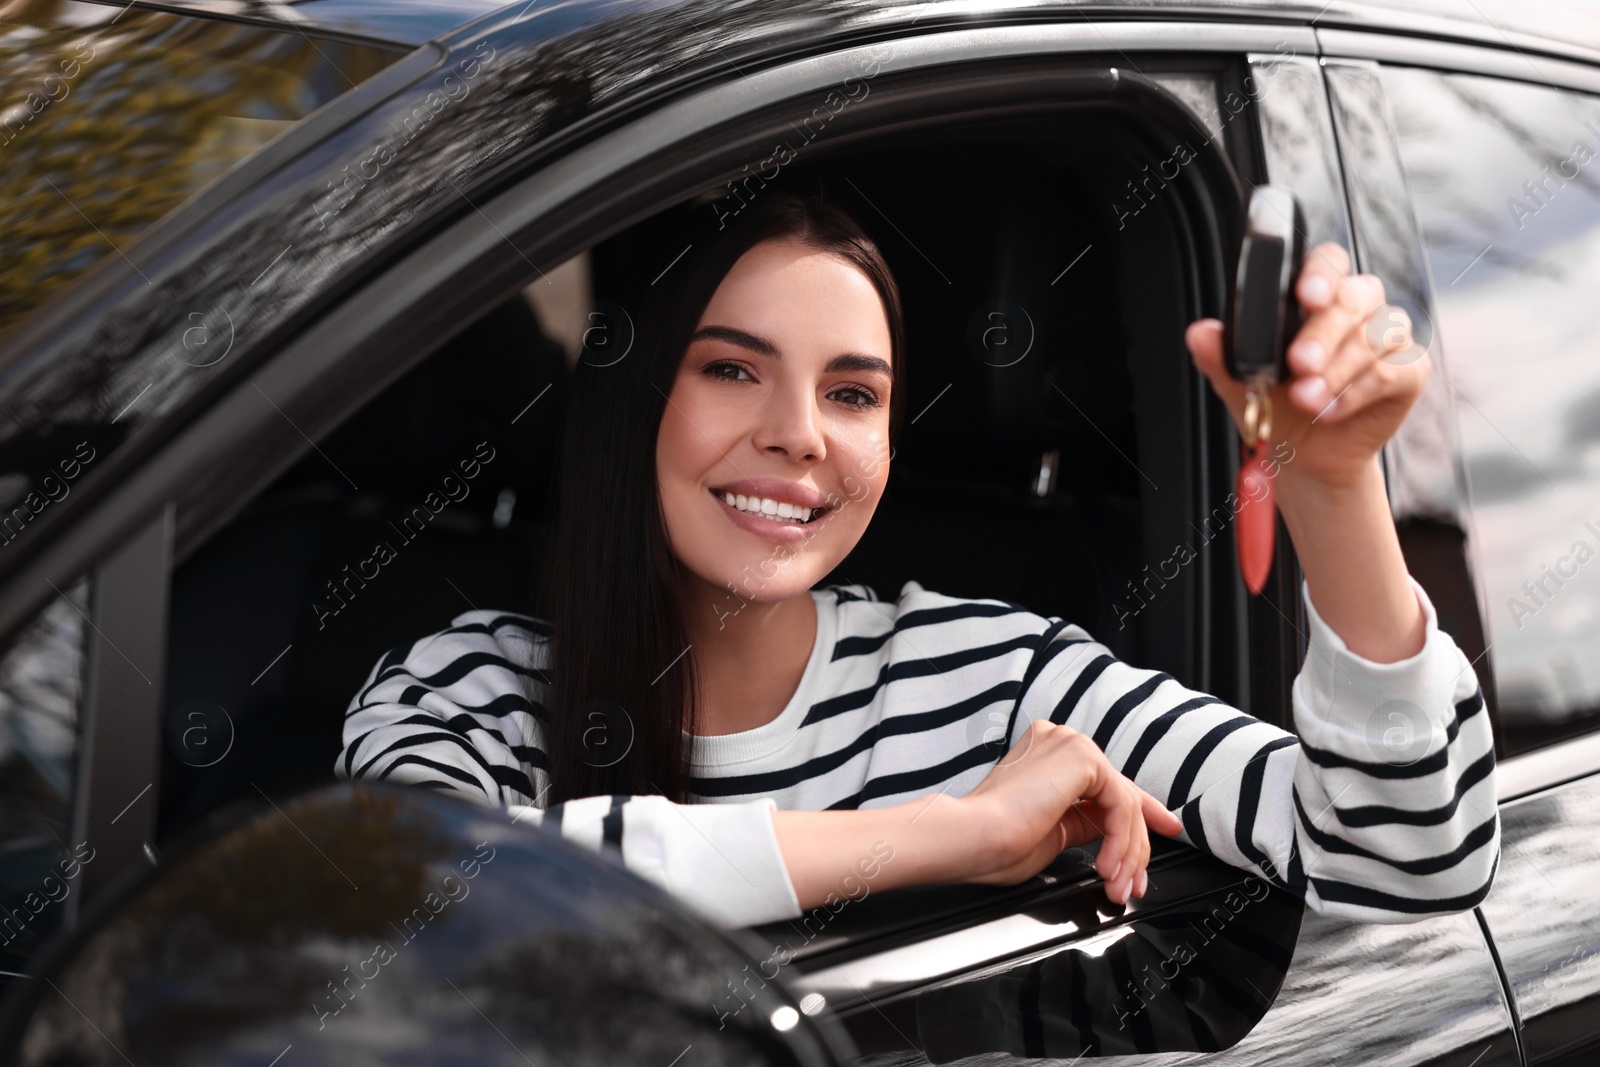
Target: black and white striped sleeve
452,712
1383,809
458,712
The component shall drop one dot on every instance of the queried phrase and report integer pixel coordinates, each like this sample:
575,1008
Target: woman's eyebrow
761,346
758,345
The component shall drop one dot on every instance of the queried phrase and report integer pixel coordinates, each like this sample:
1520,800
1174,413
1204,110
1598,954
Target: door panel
1545,922
1197,964
1418,993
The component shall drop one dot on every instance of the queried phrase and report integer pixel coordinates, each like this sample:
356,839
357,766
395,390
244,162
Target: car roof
1560,27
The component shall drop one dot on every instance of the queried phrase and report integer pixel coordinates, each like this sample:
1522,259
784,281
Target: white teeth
776,510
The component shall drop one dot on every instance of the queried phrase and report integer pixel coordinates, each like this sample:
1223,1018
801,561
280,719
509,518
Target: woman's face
782,399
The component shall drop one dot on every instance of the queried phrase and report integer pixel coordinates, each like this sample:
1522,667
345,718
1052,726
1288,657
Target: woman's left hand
1354,373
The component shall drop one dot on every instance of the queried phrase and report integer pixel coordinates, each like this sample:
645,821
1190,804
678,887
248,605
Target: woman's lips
784,533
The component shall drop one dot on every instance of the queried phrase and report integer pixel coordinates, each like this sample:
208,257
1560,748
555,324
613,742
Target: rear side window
111,117
1506,182
41,686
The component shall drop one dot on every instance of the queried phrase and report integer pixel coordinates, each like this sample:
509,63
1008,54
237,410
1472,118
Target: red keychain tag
1257,522
1258,517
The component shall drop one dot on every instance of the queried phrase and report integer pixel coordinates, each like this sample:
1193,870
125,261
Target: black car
271,269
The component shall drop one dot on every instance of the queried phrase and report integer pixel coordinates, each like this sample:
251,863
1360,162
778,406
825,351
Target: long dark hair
622,680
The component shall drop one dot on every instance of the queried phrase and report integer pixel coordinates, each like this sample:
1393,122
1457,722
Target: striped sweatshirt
1382,809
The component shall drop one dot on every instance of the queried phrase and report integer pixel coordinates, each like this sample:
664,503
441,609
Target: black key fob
1263,313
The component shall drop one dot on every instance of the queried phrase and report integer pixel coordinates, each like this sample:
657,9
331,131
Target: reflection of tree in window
156,106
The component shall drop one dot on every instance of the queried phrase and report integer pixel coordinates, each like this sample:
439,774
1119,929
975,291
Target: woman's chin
762,577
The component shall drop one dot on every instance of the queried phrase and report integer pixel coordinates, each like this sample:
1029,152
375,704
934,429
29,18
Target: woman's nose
791,423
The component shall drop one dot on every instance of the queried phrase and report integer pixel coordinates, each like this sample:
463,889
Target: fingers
1158,818
1332,348
1320,273
1378,383
1082,822
1118,858
1377,360
1124,861
1095,801
1322,359
1204,339
1126,851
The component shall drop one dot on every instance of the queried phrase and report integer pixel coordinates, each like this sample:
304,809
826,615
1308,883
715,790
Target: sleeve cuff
721,860
1374,711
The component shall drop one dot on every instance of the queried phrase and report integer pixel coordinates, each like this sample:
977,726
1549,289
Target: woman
714,474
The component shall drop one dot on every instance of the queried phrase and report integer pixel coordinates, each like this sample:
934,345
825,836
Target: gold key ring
1257,415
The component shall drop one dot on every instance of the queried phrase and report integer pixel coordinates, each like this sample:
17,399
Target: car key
1262,317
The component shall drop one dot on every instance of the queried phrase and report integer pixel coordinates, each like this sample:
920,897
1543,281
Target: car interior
1037,473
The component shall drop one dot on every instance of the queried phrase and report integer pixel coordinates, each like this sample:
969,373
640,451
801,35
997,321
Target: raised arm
1384,806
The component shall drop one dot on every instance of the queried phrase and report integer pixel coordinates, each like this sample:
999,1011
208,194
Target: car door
369,235
1497,153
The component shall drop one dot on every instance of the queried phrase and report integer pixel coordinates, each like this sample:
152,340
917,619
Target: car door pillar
116,788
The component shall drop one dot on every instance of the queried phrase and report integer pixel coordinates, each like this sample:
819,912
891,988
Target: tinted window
1507,191
111,117
40,689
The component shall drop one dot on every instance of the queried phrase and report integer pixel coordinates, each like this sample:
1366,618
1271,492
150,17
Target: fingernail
1311,355
1144,882
1113,879
1317,288
1313,391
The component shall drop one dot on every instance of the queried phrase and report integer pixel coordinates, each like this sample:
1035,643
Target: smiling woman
746,742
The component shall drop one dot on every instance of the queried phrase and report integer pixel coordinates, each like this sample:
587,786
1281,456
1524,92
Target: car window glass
112,117
1507,193
41,679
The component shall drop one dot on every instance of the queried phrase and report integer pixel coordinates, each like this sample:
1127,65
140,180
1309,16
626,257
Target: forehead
795,294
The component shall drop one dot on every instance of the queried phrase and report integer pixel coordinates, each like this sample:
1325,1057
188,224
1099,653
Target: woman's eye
864,397
715,370
722,370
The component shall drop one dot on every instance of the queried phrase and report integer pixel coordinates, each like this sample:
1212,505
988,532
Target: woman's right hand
1055,789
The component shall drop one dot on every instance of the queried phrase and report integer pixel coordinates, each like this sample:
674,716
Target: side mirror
376,924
